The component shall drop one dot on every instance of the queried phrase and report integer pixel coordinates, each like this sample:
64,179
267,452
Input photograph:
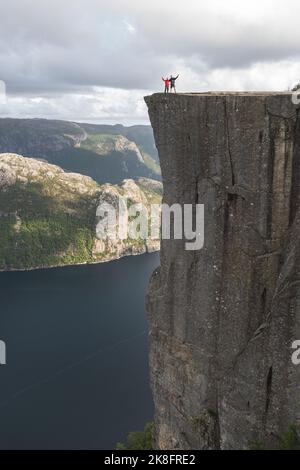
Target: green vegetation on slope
129,151
102,144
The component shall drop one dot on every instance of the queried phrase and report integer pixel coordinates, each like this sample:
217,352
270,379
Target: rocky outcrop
128,152
223,319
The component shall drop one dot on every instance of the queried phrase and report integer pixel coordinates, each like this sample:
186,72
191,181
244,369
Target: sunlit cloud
91,59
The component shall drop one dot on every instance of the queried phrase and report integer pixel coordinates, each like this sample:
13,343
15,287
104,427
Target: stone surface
223,319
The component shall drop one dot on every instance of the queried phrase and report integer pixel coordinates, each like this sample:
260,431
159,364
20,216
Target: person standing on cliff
167,84
172,82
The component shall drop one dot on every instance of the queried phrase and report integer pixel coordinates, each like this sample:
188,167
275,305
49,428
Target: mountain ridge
223,319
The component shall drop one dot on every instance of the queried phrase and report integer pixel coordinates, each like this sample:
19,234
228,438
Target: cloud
64,52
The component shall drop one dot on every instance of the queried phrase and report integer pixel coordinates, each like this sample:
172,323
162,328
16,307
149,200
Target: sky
94,60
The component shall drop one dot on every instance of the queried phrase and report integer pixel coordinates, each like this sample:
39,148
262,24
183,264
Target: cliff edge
223,319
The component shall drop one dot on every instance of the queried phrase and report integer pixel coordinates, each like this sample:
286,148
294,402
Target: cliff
48,217
223,319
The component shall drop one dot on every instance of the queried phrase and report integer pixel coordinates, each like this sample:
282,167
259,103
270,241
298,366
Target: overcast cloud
94,60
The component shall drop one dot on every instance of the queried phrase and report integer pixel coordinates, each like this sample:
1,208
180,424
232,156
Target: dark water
77,373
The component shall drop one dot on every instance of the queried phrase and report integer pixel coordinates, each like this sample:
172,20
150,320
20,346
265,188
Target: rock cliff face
223,319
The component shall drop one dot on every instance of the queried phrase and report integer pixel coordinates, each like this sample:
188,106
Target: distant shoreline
55,266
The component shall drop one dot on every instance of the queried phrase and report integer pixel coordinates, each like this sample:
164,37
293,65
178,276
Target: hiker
167,84
172,82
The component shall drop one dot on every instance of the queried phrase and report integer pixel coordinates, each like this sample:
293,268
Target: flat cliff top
226,93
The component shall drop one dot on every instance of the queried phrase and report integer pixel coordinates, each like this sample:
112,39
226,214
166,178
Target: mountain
108,154
48,216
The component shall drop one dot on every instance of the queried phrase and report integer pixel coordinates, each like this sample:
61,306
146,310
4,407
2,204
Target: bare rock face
223,319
